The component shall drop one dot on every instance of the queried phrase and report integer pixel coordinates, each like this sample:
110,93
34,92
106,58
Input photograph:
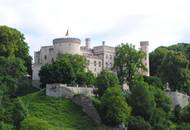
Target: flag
67,33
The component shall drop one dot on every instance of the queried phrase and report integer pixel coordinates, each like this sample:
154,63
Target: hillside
58,112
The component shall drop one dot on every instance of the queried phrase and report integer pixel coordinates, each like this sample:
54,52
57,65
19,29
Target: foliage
106,79
60,113
85,78
160,120
142,100
34,123
19,113
138,123
154,81
171,64
128,62
162,100
12,44
175,63
156,58
114,109
183,126
64,70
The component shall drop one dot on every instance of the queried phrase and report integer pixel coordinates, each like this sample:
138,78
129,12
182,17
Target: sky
161,22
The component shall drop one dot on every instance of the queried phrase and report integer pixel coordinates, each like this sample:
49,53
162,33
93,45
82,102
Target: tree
12,44
174,70
142,100
106,79
156,58
11,70
128,62
114,109
19,113
162,100
138,123
154,81
64,70
85,78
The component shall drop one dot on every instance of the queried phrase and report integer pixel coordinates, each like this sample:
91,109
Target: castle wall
179,99
94,64
62,90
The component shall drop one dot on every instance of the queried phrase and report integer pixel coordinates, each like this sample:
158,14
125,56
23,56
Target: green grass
58,112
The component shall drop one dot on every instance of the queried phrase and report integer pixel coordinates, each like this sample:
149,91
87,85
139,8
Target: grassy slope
59,112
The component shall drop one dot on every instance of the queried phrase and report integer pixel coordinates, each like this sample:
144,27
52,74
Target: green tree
114,108
162,100
19,113
142,100
11,70
12,44
85,78
66,69
156,58
106,79
138,123
128,62
174,71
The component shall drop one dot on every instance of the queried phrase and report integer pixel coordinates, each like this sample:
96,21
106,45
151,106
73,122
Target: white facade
99,57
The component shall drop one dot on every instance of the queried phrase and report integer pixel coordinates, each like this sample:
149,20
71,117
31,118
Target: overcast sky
161,22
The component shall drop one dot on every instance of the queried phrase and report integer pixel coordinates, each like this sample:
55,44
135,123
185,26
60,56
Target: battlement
67,39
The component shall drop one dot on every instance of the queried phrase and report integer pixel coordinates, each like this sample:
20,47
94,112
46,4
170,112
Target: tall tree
128,62
12,44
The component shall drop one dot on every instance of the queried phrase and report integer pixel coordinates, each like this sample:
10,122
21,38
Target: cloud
161,22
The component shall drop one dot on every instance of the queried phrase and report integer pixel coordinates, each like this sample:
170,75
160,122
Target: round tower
66,45
144,47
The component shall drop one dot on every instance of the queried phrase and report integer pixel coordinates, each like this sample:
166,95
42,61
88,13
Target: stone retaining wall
62,90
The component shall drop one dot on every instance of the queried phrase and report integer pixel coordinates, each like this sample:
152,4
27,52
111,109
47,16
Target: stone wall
179,99
62,90
87,107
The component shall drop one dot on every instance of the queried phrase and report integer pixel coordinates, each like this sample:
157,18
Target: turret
87,43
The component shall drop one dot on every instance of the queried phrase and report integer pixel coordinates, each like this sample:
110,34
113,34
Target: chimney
87,42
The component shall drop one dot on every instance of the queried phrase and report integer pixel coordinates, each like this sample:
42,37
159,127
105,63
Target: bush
183,126
138,123
114,109
34,123
142,100
106,79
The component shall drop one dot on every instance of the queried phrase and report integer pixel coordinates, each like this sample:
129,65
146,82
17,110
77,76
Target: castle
98,58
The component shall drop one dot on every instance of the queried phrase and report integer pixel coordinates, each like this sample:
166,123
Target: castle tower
87,43
66,45
144,47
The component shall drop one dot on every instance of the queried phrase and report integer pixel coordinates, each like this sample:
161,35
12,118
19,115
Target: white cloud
161,22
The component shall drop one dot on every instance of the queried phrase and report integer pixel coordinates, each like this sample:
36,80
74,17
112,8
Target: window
110,57
106,64
88,62
94,63
110,64
106,56
99,64
45,57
